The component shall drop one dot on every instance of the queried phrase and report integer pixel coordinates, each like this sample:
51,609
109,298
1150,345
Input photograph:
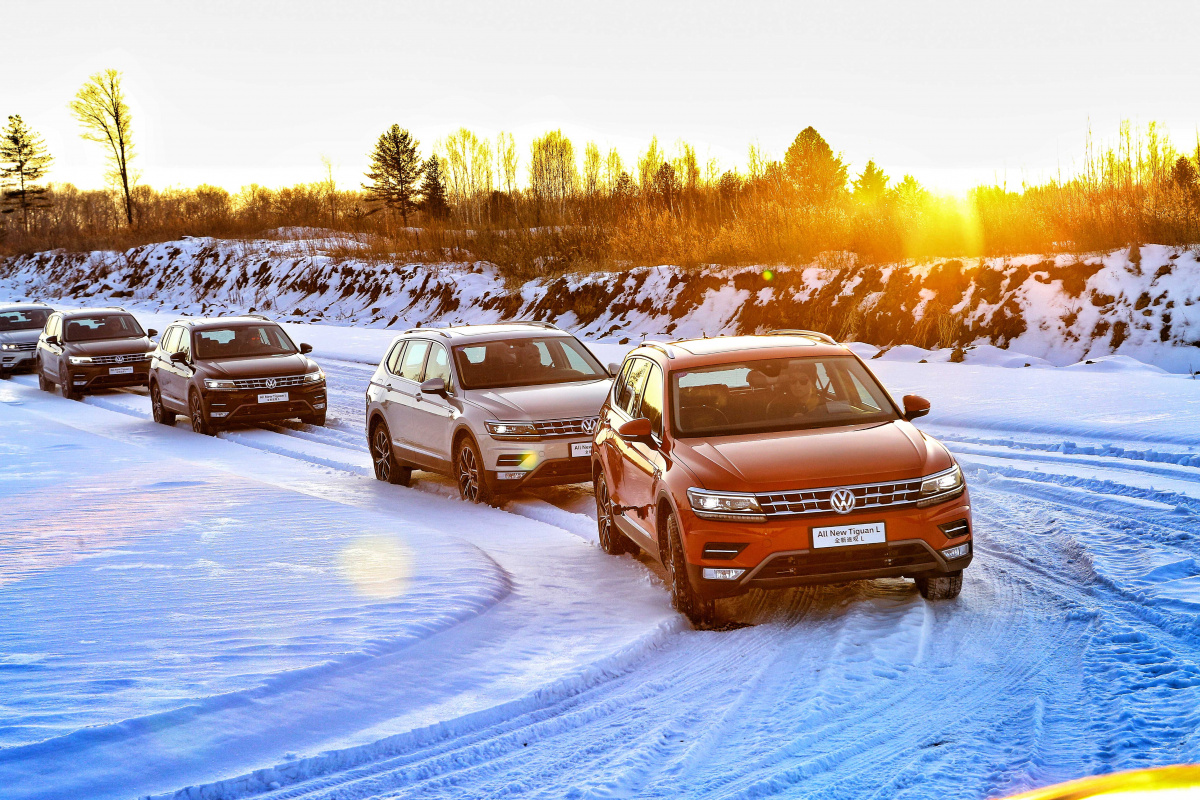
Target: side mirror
434,386
613,369
179,358
53,340
915,406
635,429
152,333
305,349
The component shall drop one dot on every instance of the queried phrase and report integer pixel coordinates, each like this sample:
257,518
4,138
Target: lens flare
768,275
377,566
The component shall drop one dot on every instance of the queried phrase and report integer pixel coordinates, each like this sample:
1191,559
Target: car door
173,376
402,387
631,474
432,414
47,352
643,460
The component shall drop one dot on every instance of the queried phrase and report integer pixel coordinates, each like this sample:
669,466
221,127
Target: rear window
242,341
102,326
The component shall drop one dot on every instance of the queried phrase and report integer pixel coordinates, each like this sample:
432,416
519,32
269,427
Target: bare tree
507,161
613,169
591,169
553,176
329,187
100,107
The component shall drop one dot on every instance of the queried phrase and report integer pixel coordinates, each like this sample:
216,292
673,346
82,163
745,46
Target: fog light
711,574
952,553
80,383
318,405
218,413
510,476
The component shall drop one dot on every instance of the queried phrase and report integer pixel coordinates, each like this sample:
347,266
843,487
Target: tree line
557,207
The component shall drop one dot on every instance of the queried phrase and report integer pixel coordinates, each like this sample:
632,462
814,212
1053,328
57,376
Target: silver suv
20,326
497,407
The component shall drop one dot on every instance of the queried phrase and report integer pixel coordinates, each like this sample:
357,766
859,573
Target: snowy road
254,616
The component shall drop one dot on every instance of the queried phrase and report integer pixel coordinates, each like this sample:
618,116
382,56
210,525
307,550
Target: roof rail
438,331
824,337
663,346
536,322
259,316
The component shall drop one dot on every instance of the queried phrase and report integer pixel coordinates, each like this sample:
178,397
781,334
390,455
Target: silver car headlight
941,487
497,428
210,383
727,506
80,359
7,346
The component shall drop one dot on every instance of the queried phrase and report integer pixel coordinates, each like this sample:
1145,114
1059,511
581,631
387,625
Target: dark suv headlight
941,487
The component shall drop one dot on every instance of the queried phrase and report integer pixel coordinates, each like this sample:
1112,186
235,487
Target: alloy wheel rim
468,474
197,417
604,517
156,401
383,466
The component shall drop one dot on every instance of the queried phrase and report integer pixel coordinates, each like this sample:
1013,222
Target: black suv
229,370
93,348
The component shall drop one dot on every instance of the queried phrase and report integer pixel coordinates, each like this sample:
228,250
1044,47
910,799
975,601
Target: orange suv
772,461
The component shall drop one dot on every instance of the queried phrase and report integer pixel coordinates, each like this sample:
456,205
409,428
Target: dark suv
20,326
89,349
230,370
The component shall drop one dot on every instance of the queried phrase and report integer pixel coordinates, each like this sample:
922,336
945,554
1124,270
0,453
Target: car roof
25,307
712,351
462,334
201,323
86,312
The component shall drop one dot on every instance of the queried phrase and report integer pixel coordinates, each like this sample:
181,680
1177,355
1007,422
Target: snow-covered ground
255,616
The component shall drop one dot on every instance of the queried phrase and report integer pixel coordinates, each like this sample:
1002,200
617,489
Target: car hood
110,347
552,401
258,366
842,456
20,337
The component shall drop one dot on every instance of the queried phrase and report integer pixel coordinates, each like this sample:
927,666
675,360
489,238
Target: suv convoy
498,407
772,461
88,349
229,370
20,326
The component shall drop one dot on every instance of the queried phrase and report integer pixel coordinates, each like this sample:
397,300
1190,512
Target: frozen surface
254,616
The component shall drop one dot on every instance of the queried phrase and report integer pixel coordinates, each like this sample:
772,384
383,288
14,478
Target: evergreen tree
395,169
871,185
433,190
24,160
814,170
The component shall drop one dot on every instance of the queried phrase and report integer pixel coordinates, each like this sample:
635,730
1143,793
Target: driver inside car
799,396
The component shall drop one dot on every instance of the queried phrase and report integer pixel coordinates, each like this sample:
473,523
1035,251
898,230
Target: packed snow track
253,615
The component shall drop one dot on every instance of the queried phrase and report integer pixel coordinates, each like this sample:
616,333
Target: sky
954,93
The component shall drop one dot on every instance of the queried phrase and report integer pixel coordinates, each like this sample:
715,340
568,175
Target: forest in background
559,208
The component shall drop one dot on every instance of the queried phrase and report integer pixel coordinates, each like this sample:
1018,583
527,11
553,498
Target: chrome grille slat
26,346
563,427
816,501
127,358
261,383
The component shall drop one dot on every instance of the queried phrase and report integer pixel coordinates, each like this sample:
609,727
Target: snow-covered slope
1062,309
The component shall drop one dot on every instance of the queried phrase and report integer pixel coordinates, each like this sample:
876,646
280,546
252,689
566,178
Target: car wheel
612,541
160,412
66,389
468,468
699,611
314,419
44,383
196,414
386,468
941,587
5,374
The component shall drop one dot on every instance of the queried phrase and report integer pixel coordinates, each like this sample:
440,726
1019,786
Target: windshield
525,362
242,341
25,319
102,326
776,395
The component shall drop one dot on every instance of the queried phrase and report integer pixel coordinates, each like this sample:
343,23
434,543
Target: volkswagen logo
842,501
590,424
271,385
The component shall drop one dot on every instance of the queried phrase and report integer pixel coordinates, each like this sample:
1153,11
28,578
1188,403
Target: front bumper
13,360
85,378
778,553
548,462
236,407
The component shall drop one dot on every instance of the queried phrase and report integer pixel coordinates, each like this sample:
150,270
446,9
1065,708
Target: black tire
66,389
162,415
940,587
196,414
314,419
470,473
384,458
612,541
5,374
701,612
44,383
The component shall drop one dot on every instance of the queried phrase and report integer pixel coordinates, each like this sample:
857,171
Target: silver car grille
269,383
817,501
26,346
128,358
579,426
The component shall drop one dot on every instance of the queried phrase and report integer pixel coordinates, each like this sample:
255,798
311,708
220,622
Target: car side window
393,358
621,386
438,365
183,342
53,326
169,340
652,401
631,392
413,360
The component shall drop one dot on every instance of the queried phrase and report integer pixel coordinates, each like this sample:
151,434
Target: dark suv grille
566,427
847,559
128,358
275,383
816,501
